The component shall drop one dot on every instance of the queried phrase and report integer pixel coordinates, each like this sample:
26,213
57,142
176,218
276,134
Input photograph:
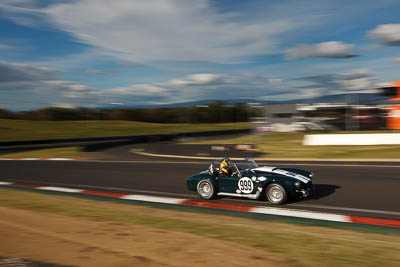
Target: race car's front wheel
276,194
206,189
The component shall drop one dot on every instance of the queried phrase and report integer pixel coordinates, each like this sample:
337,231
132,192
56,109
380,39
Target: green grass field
272,145
63,152
305,245
289,145
18,130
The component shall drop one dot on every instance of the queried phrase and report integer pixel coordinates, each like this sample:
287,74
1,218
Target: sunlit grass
64,152
17,130
290,145
305,245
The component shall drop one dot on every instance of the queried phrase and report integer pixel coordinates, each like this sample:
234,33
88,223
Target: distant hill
342,98
351,98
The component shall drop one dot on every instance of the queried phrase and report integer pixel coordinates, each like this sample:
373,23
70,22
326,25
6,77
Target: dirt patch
77,231
76,241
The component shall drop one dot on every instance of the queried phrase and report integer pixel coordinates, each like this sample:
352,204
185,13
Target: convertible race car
246,179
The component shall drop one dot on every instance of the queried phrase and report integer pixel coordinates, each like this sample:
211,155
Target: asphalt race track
368,189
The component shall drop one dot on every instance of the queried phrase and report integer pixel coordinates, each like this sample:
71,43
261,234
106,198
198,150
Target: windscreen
246,164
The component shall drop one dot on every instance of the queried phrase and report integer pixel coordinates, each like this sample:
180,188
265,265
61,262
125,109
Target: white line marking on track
344,208
301,214
338,165
205,163
273,162
60,189
6,183
148,161
195,196
119,161
107,188
268,160
260,210
166,200
178,156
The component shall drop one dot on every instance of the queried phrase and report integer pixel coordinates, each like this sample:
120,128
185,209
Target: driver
224,167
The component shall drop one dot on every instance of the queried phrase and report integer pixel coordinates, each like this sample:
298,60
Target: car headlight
311,175
297,184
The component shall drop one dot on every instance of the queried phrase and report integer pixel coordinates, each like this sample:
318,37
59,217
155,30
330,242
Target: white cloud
333,49
64,105
69,90
46,89
137,90
310,93
68,86
20,72
199,86
357,80
157,30
396,60
198,79
22,12
354,81
388,34
25,85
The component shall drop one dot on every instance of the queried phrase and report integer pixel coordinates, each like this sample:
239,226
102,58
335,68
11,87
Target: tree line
217,112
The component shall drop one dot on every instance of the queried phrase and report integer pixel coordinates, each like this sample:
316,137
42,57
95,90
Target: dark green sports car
247,179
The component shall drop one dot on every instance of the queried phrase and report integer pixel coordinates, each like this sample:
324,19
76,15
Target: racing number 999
245,185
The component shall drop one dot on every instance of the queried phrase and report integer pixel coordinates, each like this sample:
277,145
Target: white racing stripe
166,200
301,214
283,172
60,189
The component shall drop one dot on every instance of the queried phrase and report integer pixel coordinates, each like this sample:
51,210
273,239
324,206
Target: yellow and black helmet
224,166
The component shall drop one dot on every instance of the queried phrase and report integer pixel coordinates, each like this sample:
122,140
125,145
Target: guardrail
95,143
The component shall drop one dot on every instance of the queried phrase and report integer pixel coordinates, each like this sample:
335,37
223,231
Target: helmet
224,167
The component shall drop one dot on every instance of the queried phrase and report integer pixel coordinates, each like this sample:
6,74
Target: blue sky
92,53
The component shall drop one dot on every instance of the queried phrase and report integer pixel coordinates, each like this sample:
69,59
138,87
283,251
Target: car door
228,184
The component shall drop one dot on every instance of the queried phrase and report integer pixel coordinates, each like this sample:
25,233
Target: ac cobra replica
247,179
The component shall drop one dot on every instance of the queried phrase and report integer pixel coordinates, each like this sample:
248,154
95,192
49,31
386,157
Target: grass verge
289,145
306,246
19,130
63,152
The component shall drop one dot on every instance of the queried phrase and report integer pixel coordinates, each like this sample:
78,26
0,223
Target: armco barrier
60,141
95,143
158,138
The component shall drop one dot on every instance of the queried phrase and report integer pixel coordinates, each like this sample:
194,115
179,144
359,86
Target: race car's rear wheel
206,189
276,194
